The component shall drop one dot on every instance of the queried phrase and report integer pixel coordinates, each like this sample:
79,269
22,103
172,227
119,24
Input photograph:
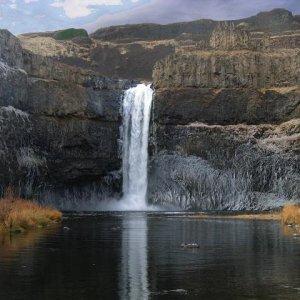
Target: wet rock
116,228
190,246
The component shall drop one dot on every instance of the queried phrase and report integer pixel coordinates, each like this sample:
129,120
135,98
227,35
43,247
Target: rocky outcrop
226,119
247,69
234,167
133,61
10,49
59,124
226,37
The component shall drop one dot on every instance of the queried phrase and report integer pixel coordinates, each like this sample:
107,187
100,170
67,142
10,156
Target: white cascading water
136,122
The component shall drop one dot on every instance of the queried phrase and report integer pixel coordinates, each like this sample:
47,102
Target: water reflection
11,244
138,256
134,269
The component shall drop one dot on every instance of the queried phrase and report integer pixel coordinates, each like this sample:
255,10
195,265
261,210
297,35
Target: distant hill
274,21
66,34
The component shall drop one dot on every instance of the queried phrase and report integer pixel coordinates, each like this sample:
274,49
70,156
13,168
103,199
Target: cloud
80,8
29,1
169,11
13,4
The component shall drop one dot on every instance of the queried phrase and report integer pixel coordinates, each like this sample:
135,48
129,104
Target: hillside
131,51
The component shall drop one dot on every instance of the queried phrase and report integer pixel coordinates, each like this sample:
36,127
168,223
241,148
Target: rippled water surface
138,256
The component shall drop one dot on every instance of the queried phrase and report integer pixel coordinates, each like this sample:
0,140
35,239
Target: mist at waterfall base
136,112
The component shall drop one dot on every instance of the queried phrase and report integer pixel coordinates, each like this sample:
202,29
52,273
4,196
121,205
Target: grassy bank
19,215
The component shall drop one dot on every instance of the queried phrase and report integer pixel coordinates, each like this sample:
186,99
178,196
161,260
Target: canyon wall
227,124
59,124
225,127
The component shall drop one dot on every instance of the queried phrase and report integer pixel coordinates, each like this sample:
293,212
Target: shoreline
259,216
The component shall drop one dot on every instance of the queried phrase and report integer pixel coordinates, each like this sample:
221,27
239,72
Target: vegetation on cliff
19,215
70,33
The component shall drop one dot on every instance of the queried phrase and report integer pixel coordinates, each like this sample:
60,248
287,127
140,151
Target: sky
20,16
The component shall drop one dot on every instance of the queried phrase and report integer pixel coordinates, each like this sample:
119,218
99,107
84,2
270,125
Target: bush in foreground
290,214
18,215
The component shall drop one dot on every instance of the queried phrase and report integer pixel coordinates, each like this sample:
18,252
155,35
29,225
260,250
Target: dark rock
190,246
57,131
226,106
13,86
10,49
128,61
235,167
76,150
82,41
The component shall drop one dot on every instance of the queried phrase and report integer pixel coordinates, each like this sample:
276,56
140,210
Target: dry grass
18,215
290,214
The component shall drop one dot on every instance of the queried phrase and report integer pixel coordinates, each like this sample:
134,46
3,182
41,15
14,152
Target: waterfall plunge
136,120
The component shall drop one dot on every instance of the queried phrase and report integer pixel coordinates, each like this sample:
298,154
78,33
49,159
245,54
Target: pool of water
139,256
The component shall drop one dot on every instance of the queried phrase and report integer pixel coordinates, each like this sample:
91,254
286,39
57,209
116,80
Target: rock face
229,69
234,167
59,124
10,49
227,119
226,106
227,37
13,83
225,130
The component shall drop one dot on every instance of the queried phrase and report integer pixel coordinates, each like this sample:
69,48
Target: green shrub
70,33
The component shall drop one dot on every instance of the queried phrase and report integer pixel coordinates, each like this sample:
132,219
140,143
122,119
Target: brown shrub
291,214
17,214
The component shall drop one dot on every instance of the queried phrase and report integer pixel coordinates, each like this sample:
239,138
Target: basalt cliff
225,132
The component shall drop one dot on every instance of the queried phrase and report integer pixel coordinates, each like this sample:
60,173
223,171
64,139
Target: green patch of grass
70,33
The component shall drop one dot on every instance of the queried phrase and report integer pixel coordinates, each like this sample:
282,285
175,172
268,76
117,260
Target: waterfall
136,120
